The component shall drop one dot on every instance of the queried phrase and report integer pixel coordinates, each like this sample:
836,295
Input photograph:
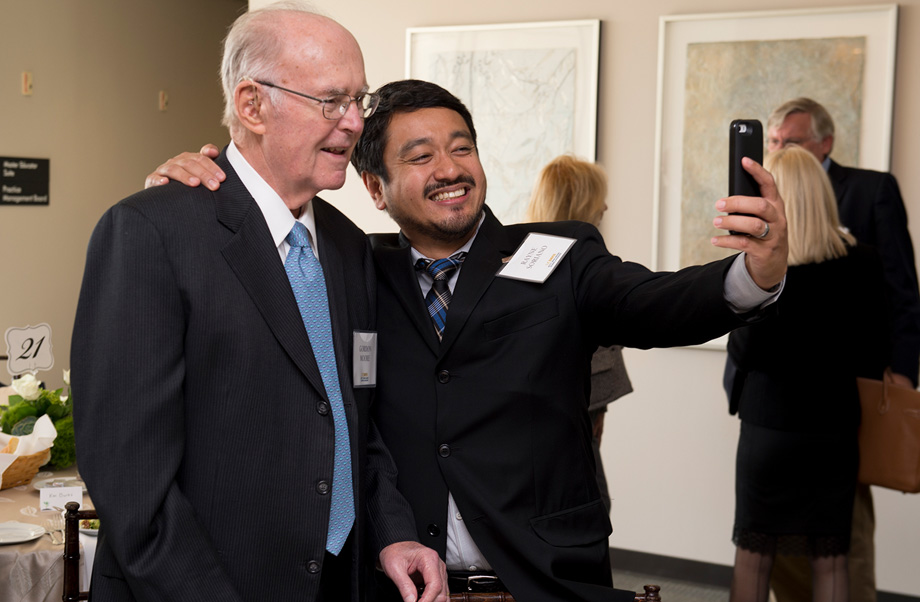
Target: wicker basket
21,471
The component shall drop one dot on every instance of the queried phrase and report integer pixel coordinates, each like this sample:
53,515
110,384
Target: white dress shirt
279,218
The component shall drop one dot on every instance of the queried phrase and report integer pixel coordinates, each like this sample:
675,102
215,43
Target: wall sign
24,181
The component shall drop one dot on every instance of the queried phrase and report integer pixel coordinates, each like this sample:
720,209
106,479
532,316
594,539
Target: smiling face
297,150
436,188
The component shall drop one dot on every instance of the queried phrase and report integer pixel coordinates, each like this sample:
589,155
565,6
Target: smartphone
745,140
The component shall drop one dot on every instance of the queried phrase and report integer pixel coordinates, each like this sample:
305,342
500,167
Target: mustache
464,179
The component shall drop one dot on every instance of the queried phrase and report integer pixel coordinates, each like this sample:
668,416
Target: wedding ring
766,230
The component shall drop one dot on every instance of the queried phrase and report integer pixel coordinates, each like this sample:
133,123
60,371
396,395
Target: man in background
871,207
222,434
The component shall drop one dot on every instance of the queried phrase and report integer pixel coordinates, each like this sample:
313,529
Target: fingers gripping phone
745,140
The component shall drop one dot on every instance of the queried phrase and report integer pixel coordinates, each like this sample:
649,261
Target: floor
672,590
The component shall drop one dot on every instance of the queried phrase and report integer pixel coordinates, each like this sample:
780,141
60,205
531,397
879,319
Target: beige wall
670,446
97,66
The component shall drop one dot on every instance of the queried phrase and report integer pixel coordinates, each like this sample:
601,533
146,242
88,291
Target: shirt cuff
741,292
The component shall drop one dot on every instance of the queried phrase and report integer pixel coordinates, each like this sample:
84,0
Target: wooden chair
72,518
650,595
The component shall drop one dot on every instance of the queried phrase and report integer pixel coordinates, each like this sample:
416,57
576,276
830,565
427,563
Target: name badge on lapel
364,362
537,257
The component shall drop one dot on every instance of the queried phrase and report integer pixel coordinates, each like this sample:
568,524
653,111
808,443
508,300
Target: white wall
670,446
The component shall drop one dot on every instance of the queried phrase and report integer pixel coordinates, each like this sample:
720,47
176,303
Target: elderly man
224,431
483,378
871,208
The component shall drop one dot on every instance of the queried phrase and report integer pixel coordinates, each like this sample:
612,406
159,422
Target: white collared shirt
277,215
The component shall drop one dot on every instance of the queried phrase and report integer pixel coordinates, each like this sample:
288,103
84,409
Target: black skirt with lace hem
791,545
794,491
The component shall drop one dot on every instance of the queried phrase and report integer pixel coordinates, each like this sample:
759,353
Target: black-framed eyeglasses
336,106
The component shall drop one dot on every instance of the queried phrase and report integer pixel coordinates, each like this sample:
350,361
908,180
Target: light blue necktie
306,276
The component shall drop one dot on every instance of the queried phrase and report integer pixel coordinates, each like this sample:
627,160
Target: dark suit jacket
871,207
203,428
798,371
497,411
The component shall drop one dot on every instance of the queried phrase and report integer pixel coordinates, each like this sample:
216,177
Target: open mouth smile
451,194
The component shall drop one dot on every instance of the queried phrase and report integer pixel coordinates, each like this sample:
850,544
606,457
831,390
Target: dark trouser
336,581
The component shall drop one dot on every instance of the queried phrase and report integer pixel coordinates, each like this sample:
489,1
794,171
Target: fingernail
720,205
717,221
212,184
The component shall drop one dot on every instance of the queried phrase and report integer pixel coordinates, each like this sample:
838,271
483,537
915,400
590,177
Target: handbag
889,435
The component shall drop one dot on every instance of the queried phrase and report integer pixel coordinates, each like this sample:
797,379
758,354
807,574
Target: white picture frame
531,88
872,32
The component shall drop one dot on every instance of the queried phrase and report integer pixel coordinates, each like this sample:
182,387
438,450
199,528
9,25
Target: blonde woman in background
795,392
571,189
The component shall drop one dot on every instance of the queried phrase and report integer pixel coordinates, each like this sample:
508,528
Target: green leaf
24,426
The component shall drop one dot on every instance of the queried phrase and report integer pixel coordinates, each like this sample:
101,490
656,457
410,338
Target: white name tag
364,362
54,498
537,257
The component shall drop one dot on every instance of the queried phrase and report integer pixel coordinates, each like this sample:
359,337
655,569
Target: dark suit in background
496,412
870,205
871,208
204,430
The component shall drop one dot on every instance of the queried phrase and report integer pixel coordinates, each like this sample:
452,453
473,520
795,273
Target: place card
54,498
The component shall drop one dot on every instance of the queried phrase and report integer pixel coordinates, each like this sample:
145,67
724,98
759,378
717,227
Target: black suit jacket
497,411
798,371
203,428
870,206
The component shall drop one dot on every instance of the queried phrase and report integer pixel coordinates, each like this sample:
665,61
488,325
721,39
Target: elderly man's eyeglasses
336,106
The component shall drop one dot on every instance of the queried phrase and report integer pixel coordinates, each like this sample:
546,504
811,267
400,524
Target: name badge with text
537,257
364,362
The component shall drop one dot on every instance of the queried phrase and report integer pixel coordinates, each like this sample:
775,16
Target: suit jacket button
444,450
322,487
322,408
443,377
434,530
313,567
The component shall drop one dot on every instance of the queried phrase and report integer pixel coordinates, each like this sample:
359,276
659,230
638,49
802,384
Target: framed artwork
532,91
713,68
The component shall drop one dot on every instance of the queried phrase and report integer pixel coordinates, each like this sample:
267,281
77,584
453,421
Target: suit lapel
395,265
476,275
254,259
838,178
331,257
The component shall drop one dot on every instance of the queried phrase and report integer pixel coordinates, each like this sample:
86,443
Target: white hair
251,50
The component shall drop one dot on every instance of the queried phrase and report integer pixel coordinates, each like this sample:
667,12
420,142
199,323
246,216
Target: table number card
29,349
54,498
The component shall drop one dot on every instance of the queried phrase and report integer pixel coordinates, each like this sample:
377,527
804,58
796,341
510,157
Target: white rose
67,377
27,387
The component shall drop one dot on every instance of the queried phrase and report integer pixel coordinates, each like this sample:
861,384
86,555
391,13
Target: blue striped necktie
306,276
438,297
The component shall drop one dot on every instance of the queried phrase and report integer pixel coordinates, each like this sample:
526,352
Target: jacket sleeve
128,373
897,253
